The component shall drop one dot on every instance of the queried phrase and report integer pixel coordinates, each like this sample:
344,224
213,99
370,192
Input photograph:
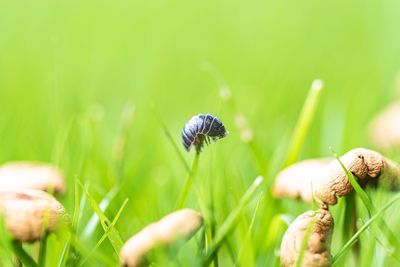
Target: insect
199,129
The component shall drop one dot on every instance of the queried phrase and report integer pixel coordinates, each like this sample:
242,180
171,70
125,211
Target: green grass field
82,82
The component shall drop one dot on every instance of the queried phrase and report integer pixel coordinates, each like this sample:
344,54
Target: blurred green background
69,69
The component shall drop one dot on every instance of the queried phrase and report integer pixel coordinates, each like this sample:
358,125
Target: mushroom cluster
28,211
324,180
179,225
29,214
24,174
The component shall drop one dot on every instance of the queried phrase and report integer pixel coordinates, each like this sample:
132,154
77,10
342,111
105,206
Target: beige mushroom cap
181,224
24,174
27,211
297,180
317,253
366,165
385,127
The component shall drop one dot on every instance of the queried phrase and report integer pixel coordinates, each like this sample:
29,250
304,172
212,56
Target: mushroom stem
307,241
22,255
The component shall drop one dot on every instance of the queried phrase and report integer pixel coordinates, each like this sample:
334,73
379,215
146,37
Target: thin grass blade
113,236
233,219
304,122
365,226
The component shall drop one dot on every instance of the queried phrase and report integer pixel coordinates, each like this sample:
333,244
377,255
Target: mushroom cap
297,180
385,127
24,174
317,253
178,225
366,166
28,211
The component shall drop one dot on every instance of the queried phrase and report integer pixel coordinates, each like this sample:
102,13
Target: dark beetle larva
200,129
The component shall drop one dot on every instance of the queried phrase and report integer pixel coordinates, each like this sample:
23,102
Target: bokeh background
70,70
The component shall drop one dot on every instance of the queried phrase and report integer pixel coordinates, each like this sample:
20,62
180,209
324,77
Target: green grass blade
354,238
233,219
171,139
360,192
75,219
304,122
113,236
22,255
77,202
42,251
246,246
188,183
104,203
6,251
64,253
366,200
83,250
43,239
106,233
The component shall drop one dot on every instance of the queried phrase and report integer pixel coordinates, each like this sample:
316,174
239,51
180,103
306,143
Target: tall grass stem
188,183
304,122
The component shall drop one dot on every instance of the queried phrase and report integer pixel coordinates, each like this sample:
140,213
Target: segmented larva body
200,129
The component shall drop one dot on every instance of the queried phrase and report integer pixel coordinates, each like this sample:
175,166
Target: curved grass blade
22,255
104,203
366,200
106,233
246,246
232,219
351,242
113,235
360,192
171,139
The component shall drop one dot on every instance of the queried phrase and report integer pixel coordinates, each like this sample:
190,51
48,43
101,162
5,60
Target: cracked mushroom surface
179,225
298,180
28,211
385,127
366,166
24,174
317,227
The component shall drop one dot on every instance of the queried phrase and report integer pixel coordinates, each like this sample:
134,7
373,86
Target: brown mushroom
316,227
27,212
366,166
385,127
24,174
181,224
327,179
297,180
